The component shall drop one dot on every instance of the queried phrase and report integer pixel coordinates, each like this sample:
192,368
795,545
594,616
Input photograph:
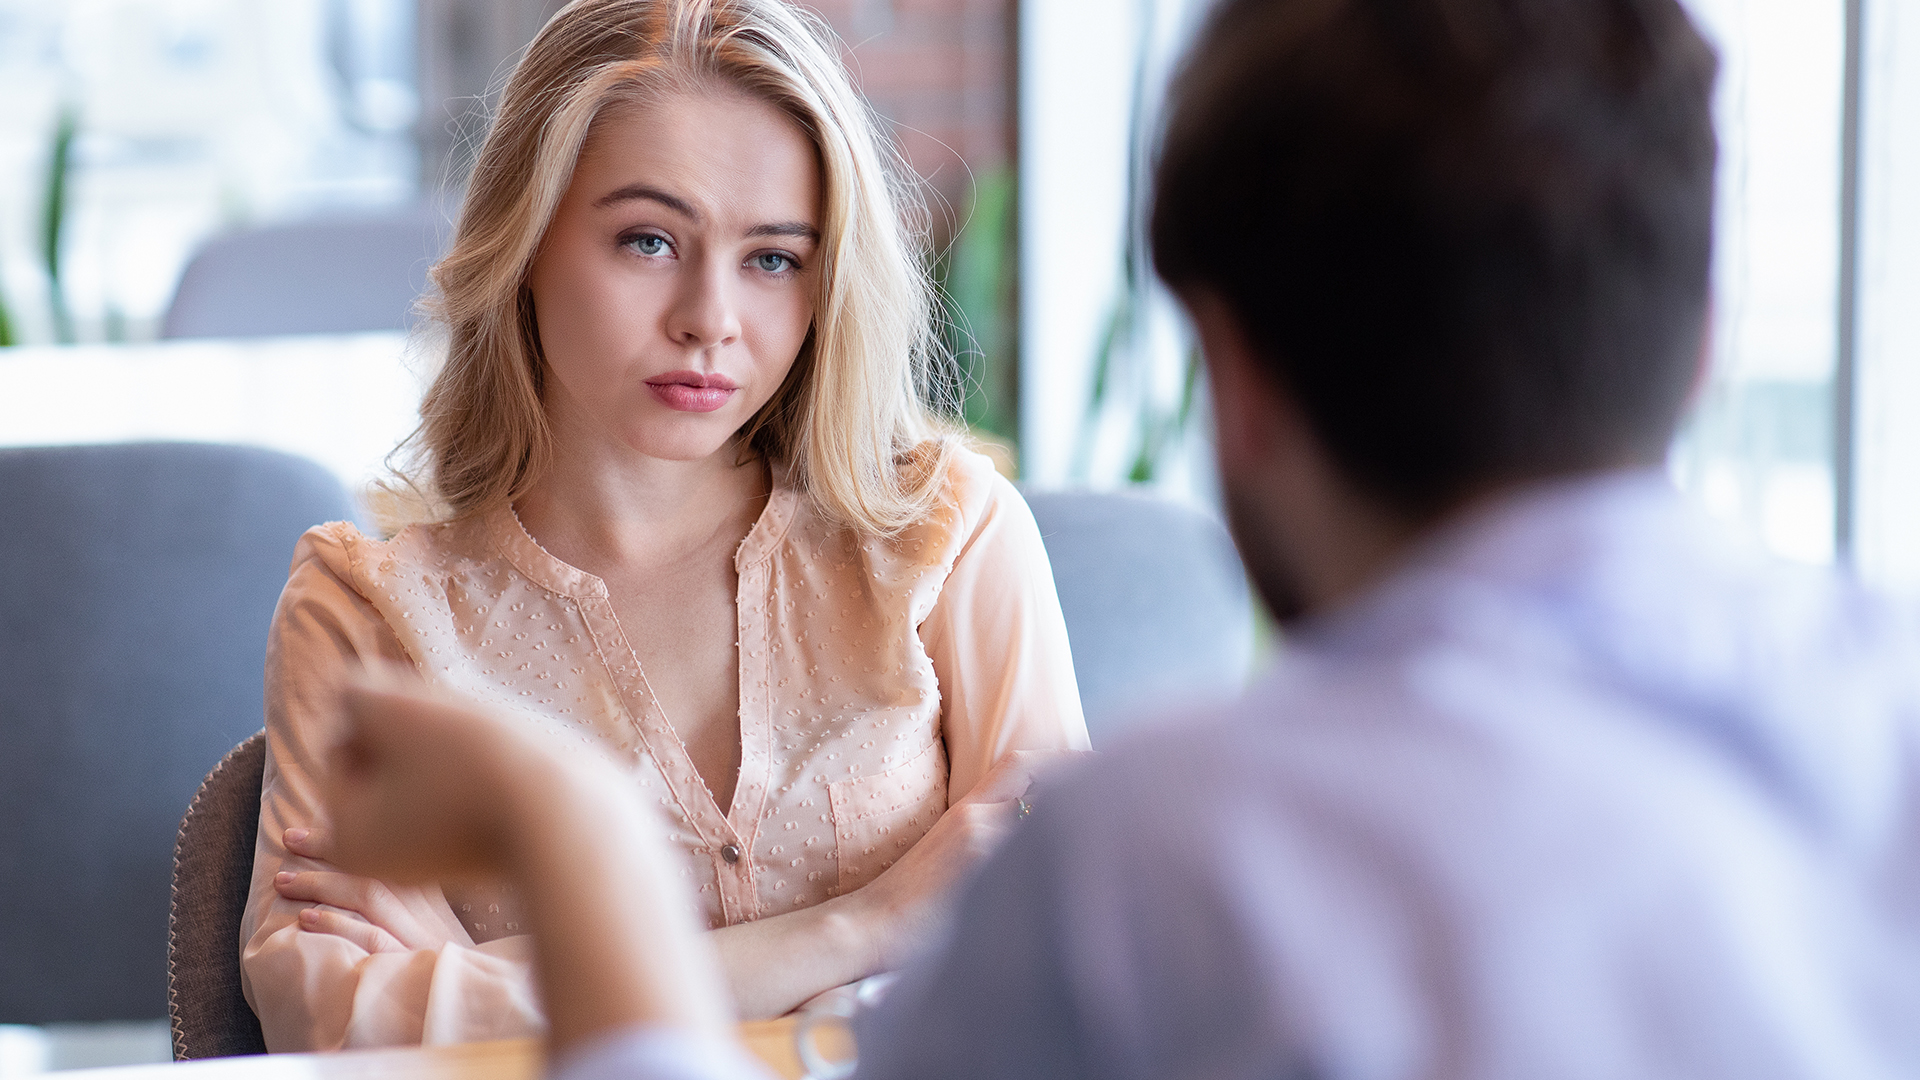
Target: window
153,123
1760,447
1807,430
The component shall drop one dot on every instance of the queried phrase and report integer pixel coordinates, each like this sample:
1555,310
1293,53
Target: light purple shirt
1583,790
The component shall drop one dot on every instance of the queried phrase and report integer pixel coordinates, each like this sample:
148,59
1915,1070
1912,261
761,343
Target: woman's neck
605,512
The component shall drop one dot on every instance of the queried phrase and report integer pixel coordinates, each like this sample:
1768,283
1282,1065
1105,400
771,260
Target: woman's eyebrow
686,209
641,191
787,228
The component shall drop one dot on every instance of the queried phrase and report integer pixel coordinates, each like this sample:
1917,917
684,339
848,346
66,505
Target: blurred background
138,130
214,216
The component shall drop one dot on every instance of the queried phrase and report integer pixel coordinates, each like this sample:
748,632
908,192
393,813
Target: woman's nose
705,312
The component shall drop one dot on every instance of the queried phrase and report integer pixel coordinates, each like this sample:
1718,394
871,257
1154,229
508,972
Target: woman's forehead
714,153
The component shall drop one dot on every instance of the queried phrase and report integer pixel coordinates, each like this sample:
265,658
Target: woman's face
675,284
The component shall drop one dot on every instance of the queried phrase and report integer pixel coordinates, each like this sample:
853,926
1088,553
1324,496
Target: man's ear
1250,411
1702,362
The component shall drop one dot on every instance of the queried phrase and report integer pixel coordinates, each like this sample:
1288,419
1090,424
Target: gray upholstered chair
136,585
330,275
1156,603
212,869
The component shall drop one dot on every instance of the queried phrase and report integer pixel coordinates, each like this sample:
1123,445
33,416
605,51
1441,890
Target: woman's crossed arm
770,965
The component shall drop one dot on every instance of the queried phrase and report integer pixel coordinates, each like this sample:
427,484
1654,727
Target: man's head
1467,239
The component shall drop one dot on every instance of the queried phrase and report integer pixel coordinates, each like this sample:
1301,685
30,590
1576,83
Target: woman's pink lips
691,391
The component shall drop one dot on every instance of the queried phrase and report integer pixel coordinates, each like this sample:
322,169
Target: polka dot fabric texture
879,680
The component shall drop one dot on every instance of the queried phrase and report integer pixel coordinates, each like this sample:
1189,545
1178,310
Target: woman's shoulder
972,499
338,549
329,548
973,488
967,496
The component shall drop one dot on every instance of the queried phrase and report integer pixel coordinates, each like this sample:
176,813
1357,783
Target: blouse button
731,853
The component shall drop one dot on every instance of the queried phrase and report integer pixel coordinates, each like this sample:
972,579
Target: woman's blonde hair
849,420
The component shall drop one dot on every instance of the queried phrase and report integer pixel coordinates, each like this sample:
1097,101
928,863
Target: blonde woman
690,512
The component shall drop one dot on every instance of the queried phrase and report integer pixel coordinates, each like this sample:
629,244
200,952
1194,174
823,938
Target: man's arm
997,1000
423,788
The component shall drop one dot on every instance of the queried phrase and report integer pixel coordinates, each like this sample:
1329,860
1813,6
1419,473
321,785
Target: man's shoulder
1362,853
1475,771
1595,674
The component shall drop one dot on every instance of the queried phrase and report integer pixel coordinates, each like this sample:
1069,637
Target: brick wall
942,72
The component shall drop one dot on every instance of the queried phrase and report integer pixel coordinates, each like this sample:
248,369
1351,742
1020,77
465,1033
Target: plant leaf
53,217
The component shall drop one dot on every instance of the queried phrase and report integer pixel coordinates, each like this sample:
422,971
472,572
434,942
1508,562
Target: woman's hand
904,908
775,964
391,923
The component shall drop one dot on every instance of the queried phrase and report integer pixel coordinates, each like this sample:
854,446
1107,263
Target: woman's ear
536,353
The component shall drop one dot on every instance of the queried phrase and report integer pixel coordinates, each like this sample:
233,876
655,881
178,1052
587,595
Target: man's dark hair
1470,237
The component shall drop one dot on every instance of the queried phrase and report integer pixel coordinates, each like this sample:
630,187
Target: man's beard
1249,519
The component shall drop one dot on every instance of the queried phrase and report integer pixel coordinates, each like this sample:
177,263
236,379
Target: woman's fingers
982,826
358,894
1014,773
310,842
366,935
372,900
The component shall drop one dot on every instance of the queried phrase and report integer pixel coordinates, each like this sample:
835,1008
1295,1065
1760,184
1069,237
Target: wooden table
514,1059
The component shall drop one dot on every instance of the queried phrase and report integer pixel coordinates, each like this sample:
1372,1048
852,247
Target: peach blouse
879,680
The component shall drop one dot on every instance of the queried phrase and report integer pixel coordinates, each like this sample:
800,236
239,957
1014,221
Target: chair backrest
212,870
1156,602
331,275
136,586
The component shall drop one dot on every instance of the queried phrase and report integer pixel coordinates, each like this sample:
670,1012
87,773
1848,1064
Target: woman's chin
689,447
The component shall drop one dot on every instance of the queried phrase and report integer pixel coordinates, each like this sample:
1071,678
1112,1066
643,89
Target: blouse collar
509,536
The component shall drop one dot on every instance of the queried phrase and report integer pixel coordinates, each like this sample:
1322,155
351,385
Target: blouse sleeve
315,991
997,639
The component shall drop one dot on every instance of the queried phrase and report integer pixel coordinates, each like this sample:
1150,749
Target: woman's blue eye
773,263
649,244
